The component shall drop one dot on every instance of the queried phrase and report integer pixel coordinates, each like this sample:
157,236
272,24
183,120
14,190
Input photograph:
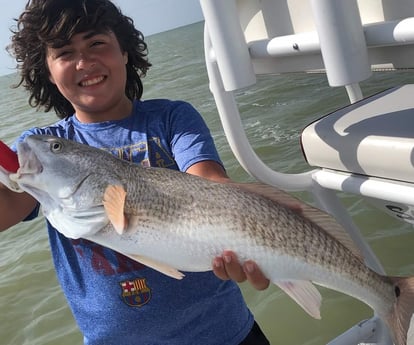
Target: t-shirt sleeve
191,141
32,131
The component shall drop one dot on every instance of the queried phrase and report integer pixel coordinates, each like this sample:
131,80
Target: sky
150,17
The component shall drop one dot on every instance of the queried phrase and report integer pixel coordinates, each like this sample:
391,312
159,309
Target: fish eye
55,147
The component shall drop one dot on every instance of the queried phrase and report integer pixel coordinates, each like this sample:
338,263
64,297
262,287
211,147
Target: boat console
365,148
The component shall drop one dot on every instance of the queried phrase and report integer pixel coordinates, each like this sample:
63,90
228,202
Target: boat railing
345,39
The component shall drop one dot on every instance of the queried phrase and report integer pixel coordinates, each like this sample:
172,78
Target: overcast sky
150,16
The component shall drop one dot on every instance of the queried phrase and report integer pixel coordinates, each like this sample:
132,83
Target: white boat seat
373,137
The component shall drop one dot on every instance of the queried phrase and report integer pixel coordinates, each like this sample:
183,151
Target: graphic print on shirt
103,260
147,153
135,293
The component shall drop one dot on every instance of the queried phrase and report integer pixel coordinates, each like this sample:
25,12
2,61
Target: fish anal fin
303,293
114,204
158,266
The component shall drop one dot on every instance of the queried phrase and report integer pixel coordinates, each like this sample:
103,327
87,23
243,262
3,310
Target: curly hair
51,23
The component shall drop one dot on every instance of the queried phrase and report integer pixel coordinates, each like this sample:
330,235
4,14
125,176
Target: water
33,310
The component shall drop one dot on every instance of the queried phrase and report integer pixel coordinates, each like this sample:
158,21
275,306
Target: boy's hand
228,267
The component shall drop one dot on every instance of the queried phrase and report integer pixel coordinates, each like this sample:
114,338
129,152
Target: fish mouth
28,162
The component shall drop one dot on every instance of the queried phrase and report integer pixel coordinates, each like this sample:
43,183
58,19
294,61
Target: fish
175,222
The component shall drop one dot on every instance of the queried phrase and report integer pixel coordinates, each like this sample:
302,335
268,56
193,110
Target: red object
8,158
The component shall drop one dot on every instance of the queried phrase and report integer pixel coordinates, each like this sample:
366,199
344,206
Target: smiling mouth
92,81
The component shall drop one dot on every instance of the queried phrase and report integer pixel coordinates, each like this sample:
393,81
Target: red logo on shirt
135,293
103,260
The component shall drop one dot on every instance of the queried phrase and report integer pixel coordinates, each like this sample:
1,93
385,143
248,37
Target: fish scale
170,221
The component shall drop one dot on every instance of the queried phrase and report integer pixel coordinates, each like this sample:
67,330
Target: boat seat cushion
373,137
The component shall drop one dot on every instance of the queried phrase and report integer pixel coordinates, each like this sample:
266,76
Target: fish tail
399,318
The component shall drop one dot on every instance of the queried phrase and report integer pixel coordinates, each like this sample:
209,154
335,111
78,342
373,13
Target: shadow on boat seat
372,137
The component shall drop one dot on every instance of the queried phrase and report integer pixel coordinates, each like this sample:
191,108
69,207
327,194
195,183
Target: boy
85,60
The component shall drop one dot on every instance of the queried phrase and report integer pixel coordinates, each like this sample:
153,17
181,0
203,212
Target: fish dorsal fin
272,193
303,293
325,221
114,204
329,224
158,266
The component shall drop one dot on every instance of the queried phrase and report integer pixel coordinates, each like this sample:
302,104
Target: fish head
66,178
51,165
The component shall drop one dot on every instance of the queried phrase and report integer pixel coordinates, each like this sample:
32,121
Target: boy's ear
51,79
125,57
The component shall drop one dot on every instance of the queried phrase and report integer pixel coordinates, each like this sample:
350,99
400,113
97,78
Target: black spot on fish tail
399,317
397,291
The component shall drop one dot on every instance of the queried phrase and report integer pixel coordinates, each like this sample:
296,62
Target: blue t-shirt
118,301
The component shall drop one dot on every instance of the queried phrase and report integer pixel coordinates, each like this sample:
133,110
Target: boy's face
90,73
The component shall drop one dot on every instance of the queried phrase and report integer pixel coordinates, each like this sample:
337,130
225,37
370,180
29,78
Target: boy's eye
97,43
62,54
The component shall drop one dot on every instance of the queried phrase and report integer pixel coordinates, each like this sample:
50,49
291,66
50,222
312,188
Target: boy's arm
14,207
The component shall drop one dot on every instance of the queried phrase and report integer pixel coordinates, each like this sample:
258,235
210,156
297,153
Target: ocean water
33,310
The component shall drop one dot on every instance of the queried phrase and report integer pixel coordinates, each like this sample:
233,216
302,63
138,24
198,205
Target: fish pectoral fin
305,294
114,204
158,266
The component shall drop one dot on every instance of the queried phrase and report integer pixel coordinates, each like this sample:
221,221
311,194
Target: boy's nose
85,62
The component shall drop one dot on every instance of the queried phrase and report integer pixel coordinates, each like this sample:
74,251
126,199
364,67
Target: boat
365,148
